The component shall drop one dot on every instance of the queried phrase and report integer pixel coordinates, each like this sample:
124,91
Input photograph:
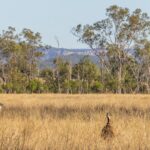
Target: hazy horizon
56,18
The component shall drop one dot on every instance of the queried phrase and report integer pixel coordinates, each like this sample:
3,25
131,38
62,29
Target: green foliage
75,86
36,86
17,82
97,87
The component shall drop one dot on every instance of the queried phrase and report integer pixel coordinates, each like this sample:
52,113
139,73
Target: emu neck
108,120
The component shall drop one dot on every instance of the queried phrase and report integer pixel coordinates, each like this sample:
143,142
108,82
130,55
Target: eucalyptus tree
86,72
9,49
18,56
49,77
113,39
143,60
31,43
62,73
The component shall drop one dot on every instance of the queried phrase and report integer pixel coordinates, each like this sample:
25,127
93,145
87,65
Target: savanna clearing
74,122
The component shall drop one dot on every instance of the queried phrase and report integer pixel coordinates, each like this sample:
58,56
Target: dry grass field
74,122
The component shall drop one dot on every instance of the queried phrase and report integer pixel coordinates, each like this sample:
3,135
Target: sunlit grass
72,122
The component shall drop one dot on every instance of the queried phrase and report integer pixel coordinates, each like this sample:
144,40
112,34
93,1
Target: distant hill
72,55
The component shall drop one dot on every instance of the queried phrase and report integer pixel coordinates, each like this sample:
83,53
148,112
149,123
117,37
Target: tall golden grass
74,122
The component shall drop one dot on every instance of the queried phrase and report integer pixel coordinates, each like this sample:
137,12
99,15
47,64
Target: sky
55,18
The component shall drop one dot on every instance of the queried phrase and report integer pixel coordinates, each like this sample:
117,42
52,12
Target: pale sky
56,18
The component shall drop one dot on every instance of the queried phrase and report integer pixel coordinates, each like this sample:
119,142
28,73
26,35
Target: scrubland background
73,122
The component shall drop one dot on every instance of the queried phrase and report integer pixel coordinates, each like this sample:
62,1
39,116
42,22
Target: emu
107,131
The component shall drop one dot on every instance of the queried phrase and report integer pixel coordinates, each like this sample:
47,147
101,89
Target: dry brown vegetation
74,122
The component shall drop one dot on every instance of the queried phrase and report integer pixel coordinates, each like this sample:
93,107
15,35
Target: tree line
120,42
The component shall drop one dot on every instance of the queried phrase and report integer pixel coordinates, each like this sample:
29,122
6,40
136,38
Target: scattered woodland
120,42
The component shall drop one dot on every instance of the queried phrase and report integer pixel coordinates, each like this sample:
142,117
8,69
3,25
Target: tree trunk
119,77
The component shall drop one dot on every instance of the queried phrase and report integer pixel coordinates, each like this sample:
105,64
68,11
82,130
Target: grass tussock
64,122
